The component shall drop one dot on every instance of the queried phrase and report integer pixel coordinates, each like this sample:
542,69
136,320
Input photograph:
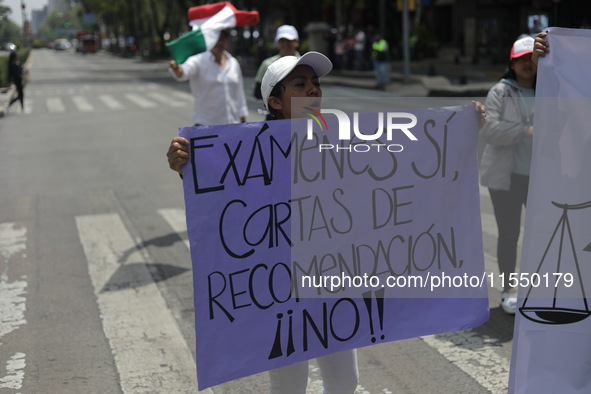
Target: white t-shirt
359,41
218,92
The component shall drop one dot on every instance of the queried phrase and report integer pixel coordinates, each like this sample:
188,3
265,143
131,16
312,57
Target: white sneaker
509,302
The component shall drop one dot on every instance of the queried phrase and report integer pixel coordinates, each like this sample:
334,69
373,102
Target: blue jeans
381,72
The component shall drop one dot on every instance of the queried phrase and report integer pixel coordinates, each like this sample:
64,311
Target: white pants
339,375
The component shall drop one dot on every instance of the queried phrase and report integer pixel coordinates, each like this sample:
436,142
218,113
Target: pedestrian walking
505,164
15,75
215,78
287,42
380,61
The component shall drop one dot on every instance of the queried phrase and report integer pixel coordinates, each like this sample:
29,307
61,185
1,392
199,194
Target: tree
60,24
5,11
9,31
146,20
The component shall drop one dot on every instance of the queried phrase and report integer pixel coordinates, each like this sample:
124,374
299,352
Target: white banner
552,339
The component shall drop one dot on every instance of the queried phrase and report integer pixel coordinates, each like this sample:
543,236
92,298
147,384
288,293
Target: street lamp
24,15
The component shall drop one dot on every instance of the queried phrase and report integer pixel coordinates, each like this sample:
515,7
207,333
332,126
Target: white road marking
183,95
55,105
176,219
13,241
165,99
29,105
15,369
111,102
12,305
483,191
140,101
483,364
82,104
149,350
489,224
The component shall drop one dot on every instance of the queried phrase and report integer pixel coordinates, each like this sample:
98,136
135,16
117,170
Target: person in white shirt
216,83
360,50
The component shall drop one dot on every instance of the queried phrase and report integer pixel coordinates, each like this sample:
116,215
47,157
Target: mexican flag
207,22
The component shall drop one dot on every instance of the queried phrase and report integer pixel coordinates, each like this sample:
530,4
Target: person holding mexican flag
214,75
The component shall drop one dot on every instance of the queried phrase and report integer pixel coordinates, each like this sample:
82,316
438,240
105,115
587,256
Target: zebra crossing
146,343
148,348
81,100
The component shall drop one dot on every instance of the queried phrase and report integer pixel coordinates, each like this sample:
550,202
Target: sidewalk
437,77
477,79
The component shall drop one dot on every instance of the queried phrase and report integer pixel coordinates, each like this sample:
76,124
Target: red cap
522,47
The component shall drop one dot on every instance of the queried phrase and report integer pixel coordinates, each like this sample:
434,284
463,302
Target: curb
429,86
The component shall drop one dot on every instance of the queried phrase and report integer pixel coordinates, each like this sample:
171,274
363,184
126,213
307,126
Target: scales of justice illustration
561,246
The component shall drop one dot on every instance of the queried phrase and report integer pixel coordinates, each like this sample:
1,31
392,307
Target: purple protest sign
301,250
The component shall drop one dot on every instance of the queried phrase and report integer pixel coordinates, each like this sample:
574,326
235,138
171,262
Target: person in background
340,50
350,47
15,75
380,61
215,78
287,41
360,50
506,159
370,33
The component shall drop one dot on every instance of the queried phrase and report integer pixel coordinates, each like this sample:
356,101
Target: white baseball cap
522,47
281,67
288,32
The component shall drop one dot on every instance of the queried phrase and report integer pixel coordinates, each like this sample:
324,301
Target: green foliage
40,42
60,24
4,11
146,20
10,32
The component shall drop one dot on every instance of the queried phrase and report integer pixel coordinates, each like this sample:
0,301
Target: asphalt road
95,275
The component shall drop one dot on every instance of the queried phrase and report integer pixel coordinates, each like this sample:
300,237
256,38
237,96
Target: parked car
62,45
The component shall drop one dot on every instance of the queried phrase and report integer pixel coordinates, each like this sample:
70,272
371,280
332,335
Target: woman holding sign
291,77
286,79
506,159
